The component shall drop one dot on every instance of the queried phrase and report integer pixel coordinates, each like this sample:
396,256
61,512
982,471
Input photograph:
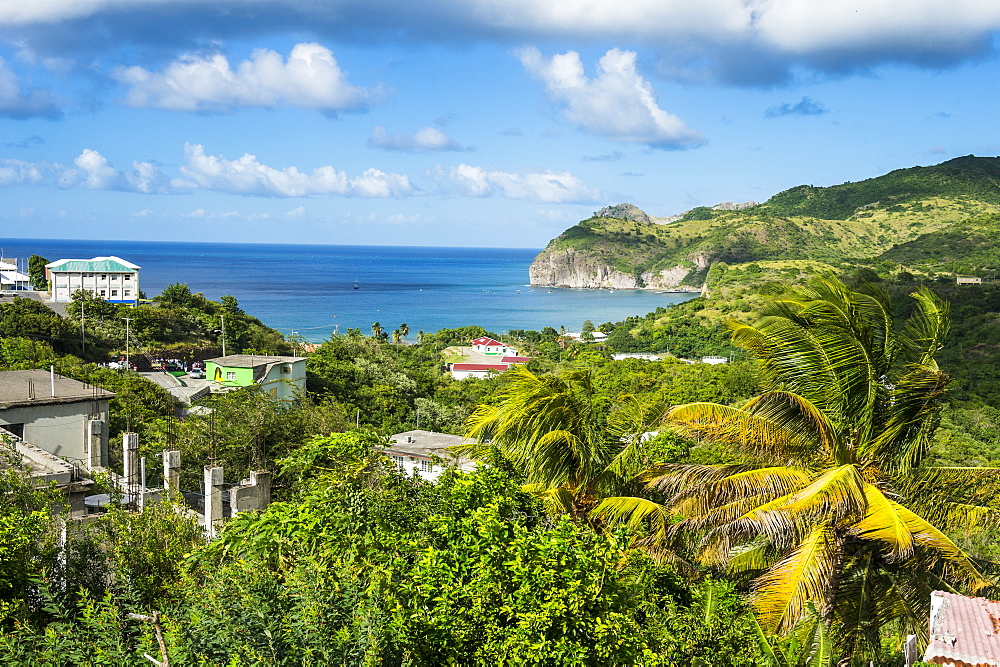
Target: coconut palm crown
834,502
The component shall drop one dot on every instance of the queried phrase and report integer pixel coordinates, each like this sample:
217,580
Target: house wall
61,429
111,286
285,381
243,376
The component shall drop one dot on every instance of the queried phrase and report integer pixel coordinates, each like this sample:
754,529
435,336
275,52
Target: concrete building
968,280
415,452
111,278
281,377
645,356
57,414
466,371
10,278
964,631
43,469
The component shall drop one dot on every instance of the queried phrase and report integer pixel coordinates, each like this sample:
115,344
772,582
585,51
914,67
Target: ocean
309,289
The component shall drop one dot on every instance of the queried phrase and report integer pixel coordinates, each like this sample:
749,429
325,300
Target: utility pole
128,358
83,334
223,334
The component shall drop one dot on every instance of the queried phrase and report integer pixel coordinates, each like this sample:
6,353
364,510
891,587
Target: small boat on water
356,284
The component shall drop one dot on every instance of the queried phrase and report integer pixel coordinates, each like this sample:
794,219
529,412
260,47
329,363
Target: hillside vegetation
928,219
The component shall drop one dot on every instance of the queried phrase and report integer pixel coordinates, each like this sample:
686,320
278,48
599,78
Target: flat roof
426,444
18,387
252,360
479,367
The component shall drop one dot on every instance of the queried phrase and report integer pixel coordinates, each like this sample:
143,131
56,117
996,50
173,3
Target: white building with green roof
111,278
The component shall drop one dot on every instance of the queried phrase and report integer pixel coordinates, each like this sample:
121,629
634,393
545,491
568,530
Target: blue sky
465,123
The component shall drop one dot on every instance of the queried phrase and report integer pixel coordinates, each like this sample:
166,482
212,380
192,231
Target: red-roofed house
964,631
463,371
515,360
491,347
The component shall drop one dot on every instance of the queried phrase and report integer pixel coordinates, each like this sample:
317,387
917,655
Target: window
88,275
230,375
127,276
104,276
114,292
128,292
286,369
114,276
104,292
426,466
396,458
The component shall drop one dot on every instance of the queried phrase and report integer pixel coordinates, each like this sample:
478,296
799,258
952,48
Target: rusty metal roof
964,631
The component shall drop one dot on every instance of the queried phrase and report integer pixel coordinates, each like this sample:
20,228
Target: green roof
96,265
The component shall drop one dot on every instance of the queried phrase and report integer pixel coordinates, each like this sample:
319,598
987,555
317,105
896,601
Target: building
416,451
11,278
714,360
41,468
59,415
111,278
465,371
966,280
515,360
281,377
964,631
492,348
645,356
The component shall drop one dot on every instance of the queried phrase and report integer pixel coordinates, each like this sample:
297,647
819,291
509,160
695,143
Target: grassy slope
842,223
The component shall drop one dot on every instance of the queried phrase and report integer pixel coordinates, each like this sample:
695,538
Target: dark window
16,429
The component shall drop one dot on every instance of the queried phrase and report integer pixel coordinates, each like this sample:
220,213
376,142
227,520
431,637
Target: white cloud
19,172
618,103
296,212
546,187
19,102
426,139
247,175
310,78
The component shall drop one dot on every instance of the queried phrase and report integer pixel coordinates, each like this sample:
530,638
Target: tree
404,330
36,272
378,333
835,502
551,428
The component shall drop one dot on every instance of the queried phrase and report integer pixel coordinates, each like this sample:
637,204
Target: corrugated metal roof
515,360
489,342
110,264
964,631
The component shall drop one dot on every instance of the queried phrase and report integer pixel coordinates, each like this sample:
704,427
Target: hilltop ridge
894,217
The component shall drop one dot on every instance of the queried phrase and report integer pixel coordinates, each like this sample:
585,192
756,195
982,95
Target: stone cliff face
572,268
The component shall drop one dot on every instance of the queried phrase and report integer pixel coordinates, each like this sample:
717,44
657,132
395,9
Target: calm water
309,288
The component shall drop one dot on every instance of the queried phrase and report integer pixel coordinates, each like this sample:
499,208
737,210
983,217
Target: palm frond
884,524
804,574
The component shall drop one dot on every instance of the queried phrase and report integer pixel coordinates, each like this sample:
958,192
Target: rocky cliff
569,267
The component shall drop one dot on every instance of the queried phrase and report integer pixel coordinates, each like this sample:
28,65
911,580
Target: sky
465,122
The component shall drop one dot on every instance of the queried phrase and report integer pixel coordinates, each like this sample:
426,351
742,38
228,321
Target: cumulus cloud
730,38
249,176
310,78
545,187
20,102
426,139
804,107
19,172
618,103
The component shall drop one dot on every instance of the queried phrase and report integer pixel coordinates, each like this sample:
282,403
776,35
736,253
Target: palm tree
377,332
835,502
404,330
551,428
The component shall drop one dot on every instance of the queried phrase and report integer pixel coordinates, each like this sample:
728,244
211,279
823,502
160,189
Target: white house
415,451
714,360
492,348
645,356
57,414
11,278
111,278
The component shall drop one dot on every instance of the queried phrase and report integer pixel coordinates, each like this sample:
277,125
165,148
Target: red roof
964,631
489,342
515,360
479,367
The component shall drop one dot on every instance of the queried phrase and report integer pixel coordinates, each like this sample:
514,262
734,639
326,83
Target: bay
309,289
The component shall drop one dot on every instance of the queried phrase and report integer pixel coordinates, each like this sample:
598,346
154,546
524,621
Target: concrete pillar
130,451
213,501
171,471
93,439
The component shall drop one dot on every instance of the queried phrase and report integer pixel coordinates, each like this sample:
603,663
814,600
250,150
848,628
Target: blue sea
309,289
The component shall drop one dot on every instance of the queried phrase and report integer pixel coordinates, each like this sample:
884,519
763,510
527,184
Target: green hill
924,218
